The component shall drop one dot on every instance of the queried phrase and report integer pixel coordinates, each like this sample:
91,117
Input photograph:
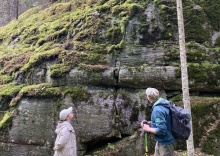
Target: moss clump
203,108
9,90
200,18
93,68
4,79
212,10
206,73
78,93
116,48
40,57
59,70
211,145
6,118
14,63
114,34
40,90
197,72
196,53
167,12
172,55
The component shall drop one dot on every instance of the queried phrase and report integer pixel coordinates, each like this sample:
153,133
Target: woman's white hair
152,93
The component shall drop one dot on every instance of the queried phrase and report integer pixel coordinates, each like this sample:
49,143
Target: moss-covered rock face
93,30
201,19
212,142
205,114
86,35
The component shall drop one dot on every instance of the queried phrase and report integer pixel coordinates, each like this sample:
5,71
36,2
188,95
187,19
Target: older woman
65,144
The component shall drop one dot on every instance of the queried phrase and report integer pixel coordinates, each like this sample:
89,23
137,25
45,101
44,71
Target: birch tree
16,9
184,72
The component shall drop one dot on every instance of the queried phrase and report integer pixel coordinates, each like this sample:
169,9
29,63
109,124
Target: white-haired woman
65,144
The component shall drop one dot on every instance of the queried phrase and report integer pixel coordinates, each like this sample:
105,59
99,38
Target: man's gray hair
153,93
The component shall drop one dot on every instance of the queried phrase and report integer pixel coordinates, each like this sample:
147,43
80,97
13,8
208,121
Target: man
160,124
65,144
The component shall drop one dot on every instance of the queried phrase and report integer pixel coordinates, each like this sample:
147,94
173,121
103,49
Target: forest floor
198,152
184,153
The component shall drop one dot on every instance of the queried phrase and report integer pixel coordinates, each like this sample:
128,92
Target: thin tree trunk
184,72
16,8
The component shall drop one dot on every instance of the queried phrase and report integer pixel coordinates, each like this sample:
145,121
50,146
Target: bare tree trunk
184,72
16,8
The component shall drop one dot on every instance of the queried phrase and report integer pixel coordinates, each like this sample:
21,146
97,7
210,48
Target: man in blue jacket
160,124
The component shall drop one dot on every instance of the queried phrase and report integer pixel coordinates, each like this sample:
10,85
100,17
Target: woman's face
70,116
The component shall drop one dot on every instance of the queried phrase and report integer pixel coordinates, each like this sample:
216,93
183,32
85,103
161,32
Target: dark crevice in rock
100,145
116,75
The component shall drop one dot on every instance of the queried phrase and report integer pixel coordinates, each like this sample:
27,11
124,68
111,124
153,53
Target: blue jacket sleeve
159,120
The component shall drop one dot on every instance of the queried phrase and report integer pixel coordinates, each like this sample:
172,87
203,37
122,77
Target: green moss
6,118
172,55
203,108
40,57
167,12
197,29
9,90
93,58
93,68
128,8
197,54
78,93
205,72
212,10
197,72
4,79
59,70
116,48
14,63
40,90
211,145
114,34
41,41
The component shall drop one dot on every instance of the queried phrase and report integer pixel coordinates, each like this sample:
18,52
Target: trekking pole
146,143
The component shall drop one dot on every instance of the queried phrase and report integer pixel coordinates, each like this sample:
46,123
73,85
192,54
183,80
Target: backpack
180,122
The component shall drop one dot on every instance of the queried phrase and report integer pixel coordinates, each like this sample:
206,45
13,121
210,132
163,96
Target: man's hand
143,123
146,127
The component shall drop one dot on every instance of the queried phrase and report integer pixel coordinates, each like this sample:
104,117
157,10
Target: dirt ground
197,153
184,153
